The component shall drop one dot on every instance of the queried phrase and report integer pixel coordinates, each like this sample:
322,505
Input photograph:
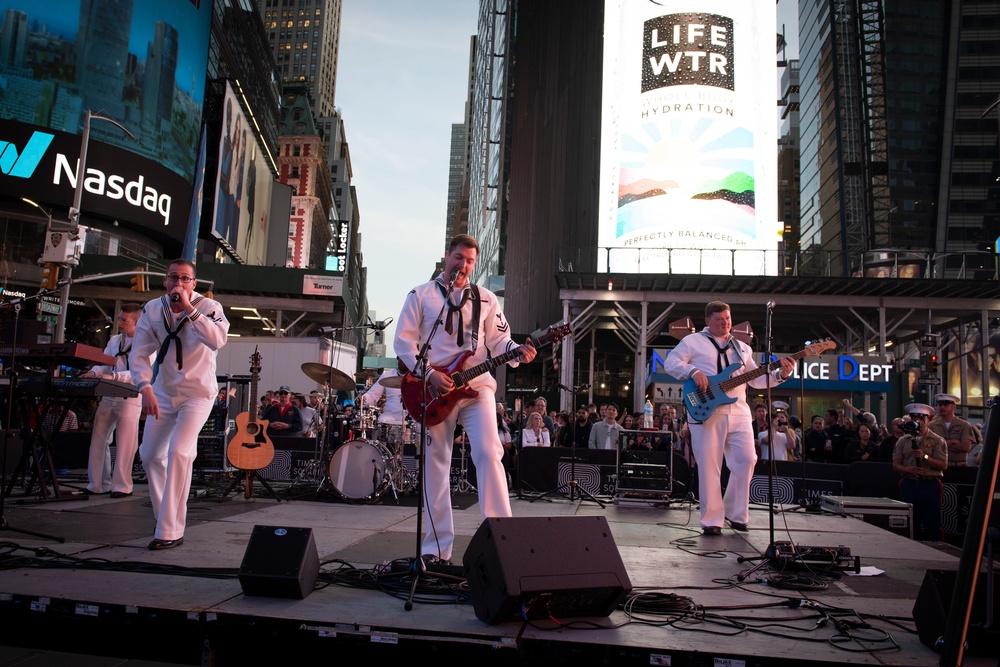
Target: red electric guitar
440,405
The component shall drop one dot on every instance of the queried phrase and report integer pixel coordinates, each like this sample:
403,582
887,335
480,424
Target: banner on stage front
688,137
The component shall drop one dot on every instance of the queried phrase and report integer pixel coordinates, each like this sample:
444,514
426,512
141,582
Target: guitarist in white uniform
460,332
727,430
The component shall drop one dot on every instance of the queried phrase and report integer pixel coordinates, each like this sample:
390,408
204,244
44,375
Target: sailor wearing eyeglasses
183,331
921,457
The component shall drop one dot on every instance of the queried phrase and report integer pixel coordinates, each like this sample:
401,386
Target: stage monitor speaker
537,567
280,562
933,605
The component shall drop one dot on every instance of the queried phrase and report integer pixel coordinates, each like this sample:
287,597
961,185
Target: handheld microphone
175,297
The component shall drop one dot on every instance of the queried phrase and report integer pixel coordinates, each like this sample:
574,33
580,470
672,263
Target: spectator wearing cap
956,431
283,418
921,457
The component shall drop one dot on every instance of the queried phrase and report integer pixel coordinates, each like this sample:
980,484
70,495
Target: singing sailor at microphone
183,331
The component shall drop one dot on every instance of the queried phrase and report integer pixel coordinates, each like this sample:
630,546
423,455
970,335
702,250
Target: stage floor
102,593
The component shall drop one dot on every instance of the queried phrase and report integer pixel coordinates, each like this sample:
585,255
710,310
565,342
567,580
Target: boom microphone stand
572,482
4,525
770,554
419,568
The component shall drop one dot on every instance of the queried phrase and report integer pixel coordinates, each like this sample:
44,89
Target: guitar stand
248,478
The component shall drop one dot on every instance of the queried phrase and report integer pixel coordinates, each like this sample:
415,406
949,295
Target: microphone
454,277
770,305
175,297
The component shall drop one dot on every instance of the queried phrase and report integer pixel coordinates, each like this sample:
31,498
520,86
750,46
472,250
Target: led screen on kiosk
243,187
141,62
688,137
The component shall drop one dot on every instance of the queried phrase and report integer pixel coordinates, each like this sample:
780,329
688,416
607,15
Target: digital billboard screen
688,137
244,181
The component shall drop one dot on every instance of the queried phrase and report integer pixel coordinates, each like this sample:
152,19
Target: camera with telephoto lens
911,428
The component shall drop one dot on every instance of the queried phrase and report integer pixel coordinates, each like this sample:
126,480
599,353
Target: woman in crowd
862,447
535,434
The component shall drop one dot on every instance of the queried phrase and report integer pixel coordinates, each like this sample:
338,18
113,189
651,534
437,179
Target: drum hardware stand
463,485
4,525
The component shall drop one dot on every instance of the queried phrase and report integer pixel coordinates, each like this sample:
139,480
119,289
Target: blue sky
401,83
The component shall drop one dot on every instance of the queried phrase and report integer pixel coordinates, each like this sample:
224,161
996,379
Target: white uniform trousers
479,418
729,435
168,450
121,417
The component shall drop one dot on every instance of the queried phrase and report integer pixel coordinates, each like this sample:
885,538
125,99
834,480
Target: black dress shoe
735,525
156,545
88,492
711,530
120,494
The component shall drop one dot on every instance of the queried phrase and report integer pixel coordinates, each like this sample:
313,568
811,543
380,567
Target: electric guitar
440,405
701,404
251,448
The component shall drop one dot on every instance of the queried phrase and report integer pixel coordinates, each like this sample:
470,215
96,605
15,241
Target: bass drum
359,470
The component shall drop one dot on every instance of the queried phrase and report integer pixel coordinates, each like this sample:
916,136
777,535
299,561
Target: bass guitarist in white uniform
727,431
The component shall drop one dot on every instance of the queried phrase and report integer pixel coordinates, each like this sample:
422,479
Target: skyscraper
304,36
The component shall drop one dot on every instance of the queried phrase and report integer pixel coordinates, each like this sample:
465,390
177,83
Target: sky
401,84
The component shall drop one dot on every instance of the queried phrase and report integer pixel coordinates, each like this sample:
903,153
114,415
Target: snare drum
359,470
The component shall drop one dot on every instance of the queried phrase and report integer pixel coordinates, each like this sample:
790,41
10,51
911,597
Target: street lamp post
74,215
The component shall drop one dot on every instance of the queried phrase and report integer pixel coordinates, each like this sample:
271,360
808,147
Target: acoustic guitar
251,448
439,405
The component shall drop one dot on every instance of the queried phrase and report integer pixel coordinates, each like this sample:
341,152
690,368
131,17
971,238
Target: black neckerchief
472,292
123,351
173,335
722,361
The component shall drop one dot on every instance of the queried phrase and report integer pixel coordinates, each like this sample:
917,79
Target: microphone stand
770,554
419,568
12,364
572,482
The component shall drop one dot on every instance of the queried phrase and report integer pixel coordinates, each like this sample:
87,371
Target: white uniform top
392,413
420,311
118,347
697,353
201,336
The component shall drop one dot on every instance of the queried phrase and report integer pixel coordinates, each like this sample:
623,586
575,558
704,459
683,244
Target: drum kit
355,466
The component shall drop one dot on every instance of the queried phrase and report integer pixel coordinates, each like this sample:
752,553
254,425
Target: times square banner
688,137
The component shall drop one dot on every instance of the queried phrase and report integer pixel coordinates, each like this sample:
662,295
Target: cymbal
336,378
391,382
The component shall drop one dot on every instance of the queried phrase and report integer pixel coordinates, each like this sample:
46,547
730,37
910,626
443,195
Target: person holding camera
921,457
784,438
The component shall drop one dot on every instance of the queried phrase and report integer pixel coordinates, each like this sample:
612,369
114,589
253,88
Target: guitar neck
743,378
473,372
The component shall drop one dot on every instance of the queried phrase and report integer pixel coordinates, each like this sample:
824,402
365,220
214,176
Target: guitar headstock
819,347
555,333
255,362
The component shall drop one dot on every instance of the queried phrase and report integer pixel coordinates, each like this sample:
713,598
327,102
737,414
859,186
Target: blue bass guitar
701,404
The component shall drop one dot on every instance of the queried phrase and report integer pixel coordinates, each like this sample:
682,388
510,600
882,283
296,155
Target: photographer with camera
921,457
785,441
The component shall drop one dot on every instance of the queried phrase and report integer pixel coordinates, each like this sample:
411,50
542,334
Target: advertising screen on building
243,187
141,62
688,137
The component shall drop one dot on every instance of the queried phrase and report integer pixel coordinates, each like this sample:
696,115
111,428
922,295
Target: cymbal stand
4,525
463,485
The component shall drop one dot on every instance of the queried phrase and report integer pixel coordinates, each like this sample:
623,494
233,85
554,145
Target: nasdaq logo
22,165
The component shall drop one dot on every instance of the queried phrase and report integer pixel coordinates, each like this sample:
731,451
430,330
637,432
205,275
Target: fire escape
859,79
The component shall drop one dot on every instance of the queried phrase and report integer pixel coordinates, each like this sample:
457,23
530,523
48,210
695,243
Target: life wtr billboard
688,140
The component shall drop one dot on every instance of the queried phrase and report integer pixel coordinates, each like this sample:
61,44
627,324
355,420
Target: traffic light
931,363
139,280
50,276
